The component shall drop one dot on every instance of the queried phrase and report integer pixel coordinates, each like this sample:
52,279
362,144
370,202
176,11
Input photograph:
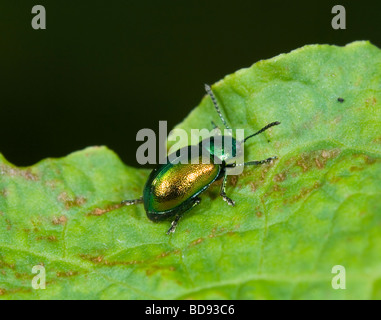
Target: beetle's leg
177,217
131,202
223,194
250,163
174,224
254,162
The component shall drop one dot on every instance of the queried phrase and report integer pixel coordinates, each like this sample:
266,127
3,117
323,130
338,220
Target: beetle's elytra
174,187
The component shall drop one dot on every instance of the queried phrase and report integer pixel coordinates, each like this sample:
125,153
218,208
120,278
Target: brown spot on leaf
233,180
100,211
259,214
354,168
196,242
280,177
155,268
332,153
61,220
51,184
377,140
318,163
97,259
370,101
325,154
254,185
213,233
17,172
164,254
367,159
303,193
66,274
101,260
71,202
277,188
47,238
9,224
4,264
314,159
4,193
303,164
370,160
16,290
22,276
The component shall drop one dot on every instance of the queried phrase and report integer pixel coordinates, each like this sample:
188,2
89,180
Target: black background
102,70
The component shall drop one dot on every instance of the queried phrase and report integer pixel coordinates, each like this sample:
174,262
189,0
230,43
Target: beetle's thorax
222,147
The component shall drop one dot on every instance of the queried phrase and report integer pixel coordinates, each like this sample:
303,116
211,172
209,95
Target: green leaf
316,207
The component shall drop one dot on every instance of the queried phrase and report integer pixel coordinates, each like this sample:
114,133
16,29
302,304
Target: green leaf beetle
174,187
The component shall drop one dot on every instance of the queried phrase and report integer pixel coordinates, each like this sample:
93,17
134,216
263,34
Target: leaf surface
317,206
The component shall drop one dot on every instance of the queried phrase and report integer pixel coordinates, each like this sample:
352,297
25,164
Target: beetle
174,188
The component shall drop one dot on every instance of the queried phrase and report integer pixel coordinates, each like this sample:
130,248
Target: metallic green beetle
174,187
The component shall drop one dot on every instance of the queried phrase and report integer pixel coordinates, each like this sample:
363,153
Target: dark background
102,70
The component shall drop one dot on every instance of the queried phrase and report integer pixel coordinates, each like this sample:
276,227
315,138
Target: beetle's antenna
211,94
263,129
